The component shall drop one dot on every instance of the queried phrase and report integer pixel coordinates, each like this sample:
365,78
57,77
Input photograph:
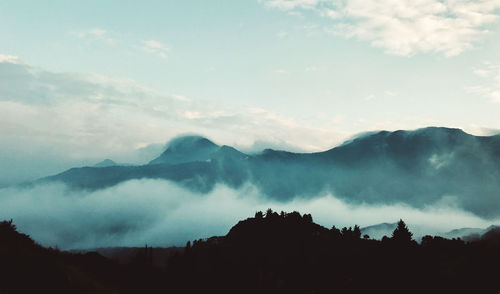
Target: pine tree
401,233
356,233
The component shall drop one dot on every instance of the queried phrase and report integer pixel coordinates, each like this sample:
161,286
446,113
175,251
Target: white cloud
9,59
405,27
95,34
389,93
281,71
59,120
490,76
312,68
369,97
291,4
156,48
281,34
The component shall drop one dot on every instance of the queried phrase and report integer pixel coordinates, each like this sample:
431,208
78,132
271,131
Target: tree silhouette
336,233
356,233
401,234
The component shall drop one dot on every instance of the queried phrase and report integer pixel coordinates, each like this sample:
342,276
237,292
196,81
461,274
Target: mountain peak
190,141
105,163
187,149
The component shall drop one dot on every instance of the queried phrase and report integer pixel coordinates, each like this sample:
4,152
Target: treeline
269,253
288,253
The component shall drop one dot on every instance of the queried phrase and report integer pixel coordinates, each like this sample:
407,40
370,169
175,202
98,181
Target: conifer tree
401,233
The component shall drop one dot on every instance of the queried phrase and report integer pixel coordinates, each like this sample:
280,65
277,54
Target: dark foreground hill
26,267
419,168
269,253
288,253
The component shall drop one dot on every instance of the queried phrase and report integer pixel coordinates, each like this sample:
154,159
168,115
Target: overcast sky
83,81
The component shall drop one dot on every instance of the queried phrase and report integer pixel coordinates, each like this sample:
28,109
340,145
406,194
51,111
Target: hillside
289,253
418,168
26,267
268,253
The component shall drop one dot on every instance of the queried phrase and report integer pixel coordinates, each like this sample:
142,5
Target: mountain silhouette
288,253
106,163
187,149
379,230
268,253
423,167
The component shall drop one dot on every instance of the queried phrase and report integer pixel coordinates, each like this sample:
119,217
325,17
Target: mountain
187,149
267,253
380,230
105,163
419,168
471,234
464,233
27,267
289,253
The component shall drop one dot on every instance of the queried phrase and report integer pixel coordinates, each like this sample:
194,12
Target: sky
81,81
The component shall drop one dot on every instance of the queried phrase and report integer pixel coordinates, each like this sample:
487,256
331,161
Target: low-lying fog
161,213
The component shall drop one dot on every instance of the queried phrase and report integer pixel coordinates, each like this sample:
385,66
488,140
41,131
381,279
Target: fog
160,213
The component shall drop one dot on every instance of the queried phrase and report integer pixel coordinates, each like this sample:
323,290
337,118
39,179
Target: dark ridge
417,168
26,267
288,253
268,253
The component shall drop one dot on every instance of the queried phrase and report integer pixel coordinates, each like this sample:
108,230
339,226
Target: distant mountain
105,163
418,168
471,234
380,230
492,234
464,233
187,149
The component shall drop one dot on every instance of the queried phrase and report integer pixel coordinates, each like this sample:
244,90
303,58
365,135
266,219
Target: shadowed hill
267,253
418,168
26,267
289,253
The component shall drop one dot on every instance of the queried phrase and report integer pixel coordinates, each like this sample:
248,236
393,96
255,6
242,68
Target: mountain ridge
419,168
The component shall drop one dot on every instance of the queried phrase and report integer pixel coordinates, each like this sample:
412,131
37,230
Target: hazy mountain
419,168
470,234
187,149
464,233
380,230
105,163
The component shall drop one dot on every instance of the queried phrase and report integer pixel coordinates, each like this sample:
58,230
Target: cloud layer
489,73
405,27
163,214
59,120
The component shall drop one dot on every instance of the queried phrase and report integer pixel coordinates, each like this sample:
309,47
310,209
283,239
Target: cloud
370,97
9,59
156,48
54,121
291,4
281,71
281,34
161,213
94,34
405,27
490,76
